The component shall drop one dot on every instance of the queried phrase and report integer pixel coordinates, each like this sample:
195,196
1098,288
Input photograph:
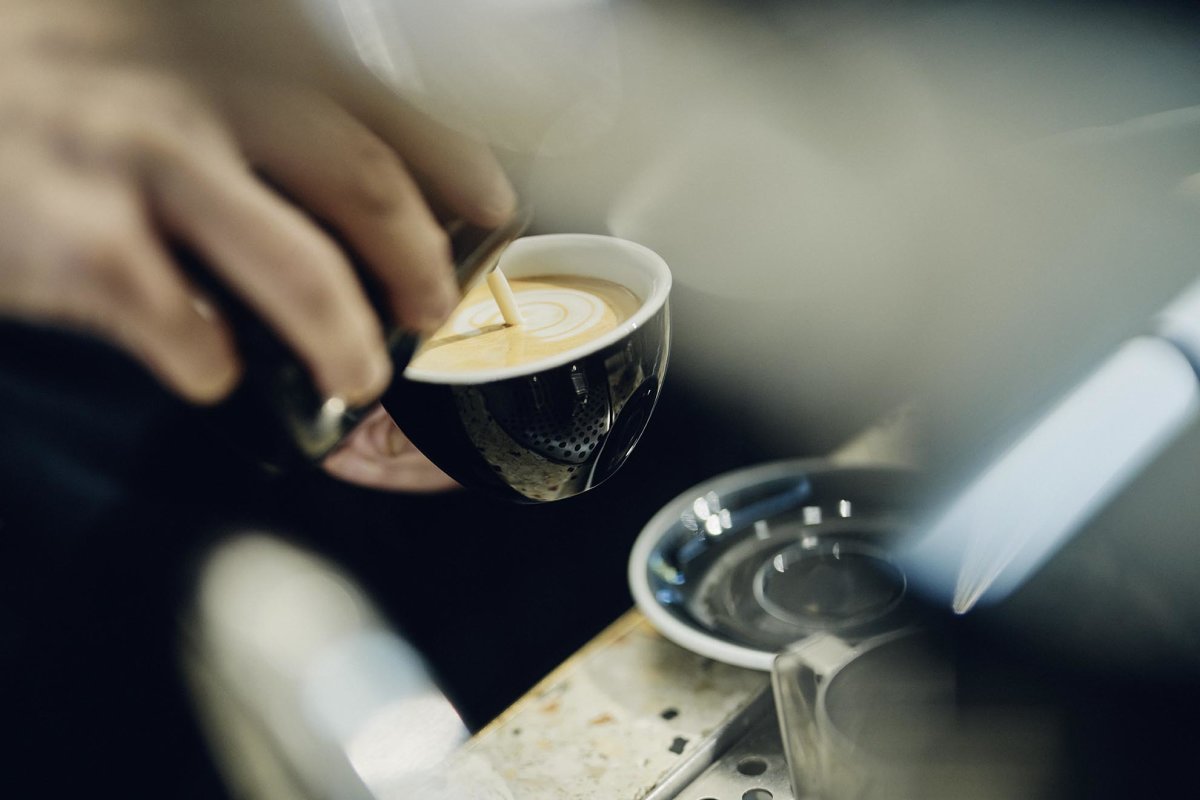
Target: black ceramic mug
559,425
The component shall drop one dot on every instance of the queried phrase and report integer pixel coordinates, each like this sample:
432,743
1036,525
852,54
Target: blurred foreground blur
966,209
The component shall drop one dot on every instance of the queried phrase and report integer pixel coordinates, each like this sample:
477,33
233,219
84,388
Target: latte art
550,314
560,313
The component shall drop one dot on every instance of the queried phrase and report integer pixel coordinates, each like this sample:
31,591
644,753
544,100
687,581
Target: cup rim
650,306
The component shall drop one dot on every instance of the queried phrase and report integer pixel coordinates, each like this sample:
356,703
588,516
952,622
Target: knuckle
81,135
167,125
178,108
99,261
155,144
158,94
183,120
142,119
112,267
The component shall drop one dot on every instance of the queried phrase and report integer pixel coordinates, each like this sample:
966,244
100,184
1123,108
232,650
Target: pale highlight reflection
1007,522
304,689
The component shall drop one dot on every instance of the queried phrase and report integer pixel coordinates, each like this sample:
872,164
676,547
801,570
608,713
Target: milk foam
560,313
550,314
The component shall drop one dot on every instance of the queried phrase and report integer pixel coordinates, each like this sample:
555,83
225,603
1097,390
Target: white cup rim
584,246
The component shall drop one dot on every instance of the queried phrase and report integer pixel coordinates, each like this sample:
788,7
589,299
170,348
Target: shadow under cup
561,425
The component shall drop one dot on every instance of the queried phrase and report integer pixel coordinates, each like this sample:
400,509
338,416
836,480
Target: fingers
455,170
379,456
459,171
277,261
159,142
89,259
166,323
137,155
333,166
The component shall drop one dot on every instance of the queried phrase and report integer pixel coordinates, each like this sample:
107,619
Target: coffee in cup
560,312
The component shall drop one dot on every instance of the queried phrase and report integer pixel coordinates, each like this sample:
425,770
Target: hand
379,456
128,127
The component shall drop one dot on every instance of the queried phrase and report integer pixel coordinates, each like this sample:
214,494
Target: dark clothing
111,490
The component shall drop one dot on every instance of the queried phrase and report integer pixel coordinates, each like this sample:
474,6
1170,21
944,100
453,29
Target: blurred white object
1179,323
963,206
304,689
1068,466
531,75
861,209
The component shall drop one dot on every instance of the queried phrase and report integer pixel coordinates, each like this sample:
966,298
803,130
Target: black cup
558,426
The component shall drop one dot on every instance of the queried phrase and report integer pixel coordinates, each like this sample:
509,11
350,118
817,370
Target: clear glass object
887,718
744,565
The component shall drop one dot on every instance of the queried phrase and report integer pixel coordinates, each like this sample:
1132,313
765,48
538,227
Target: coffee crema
561,312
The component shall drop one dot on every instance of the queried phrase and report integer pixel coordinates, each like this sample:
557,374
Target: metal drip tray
742,761
746,565
788,567
889,718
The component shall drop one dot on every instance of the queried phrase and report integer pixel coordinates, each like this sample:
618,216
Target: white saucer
696,570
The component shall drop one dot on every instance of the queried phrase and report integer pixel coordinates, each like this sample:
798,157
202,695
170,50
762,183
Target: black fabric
111,490
90,573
